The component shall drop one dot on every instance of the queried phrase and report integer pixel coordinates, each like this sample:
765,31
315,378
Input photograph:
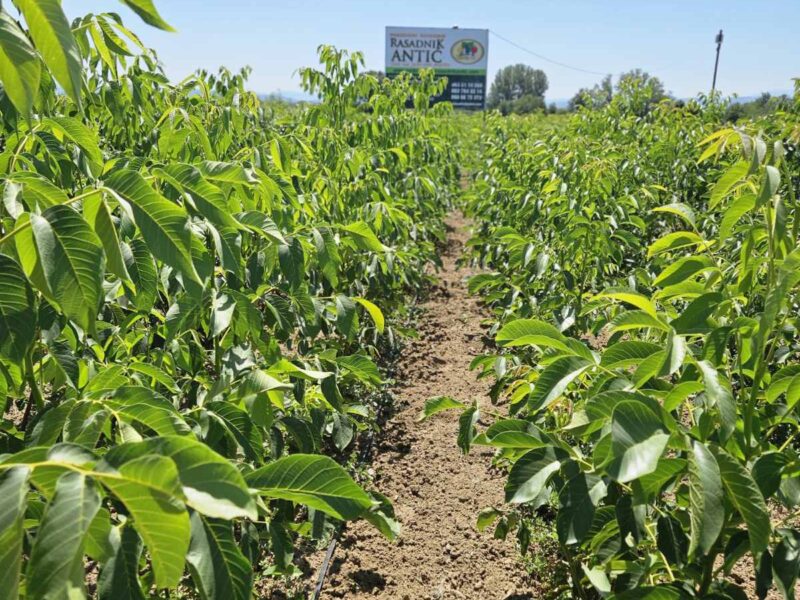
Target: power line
550,60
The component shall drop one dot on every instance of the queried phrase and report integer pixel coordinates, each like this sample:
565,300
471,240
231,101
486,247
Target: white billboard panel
461,55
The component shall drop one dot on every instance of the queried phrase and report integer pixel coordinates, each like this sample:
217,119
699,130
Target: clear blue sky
671,39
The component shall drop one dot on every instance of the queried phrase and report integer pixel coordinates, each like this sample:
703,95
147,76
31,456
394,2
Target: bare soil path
436,491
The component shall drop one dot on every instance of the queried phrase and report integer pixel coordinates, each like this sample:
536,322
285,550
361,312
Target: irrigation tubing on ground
362,458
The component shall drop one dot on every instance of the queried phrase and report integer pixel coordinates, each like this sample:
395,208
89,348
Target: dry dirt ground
436,491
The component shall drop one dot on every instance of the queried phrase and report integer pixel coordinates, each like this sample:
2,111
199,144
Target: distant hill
745,99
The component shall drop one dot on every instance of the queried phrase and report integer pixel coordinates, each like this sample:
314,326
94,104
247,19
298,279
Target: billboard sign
461,55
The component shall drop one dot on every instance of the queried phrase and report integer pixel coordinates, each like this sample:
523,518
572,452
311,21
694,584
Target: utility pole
718,39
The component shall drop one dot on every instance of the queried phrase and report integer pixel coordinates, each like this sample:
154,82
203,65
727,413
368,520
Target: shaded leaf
53,39
58,546
219,569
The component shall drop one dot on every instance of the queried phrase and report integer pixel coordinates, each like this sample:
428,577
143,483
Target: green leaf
706,499
598,578
149,488
578,500
744,494
513,433
738,208
148,407
439,404
680,393
648,486
625,354
346,317
20,68
53,39
554,380
13,498
306,437
361,367
724,184
208,198
37,191
672,541
694,318
222,307
782,381
675,241
141,267
61,458
314,480
788,278
81,135
767,472
523,332
769,185
466,427
227,172
327,255
17,323
97,214
638,439
241,428
374,312
683,269
486,517
363,236
786,562
98,543
85,424
719,394
636,319
164,225
292,262
100,45
219,569
211,484
148,13
261,224
281,546
58,548
119,577
636,299
155,374
530,474
684,211
73,262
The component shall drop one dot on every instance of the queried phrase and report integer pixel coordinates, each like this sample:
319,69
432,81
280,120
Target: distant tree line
651,90
518,89
765,104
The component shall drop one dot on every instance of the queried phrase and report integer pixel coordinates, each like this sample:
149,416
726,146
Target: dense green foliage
643,273
193,293
600,95
518,89
197,289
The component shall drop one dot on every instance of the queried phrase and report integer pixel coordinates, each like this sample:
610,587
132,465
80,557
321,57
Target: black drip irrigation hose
362,458
323,570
